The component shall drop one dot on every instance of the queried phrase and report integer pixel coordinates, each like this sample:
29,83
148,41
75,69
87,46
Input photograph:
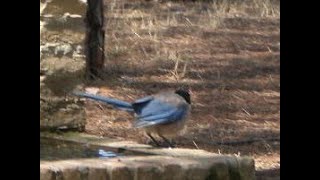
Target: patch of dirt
233,70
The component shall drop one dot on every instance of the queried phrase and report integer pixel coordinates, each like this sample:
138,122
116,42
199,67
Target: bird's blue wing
159,112
143,100
139,104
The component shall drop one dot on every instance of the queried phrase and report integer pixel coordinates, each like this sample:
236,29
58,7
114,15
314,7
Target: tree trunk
94,44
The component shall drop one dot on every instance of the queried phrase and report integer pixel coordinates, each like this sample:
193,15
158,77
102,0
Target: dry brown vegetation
227,51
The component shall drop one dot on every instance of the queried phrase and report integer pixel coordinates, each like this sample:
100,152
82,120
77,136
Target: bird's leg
167,141
156,142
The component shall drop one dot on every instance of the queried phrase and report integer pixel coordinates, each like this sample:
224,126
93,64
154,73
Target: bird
164,114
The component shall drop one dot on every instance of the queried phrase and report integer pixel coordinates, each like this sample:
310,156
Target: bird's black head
185,93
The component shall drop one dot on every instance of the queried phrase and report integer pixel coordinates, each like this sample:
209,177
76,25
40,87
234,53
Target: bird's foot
165,144
152,143
169,143
161,144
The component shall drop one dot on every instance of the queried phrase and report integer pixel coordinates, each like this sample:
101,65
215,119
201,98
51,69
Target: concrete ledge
160,163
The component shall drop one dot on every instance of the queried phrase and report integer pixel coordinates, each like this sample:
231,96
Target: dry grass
228,52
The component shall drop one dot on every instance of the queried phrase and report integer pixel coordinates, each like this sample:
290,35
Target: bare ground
230,59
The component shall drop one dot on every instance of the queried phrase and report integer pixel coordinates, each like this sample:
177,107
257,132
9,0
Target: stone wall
150,167
61,63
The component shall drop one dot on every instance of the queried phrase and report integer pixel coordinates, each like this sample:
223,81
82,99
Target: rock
68,15
79,49
64,49
43,70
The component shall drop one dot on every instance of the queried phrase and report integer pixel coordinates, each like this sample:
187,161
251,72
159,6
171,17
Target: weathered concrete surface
150,167
160,163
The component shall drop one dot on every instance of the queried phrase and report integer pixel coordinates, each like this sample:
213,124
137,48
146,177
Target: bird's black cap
185,93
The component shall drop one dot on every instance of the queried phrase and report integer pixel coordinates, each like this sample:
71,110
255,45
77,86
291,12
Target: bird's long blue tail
122,105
